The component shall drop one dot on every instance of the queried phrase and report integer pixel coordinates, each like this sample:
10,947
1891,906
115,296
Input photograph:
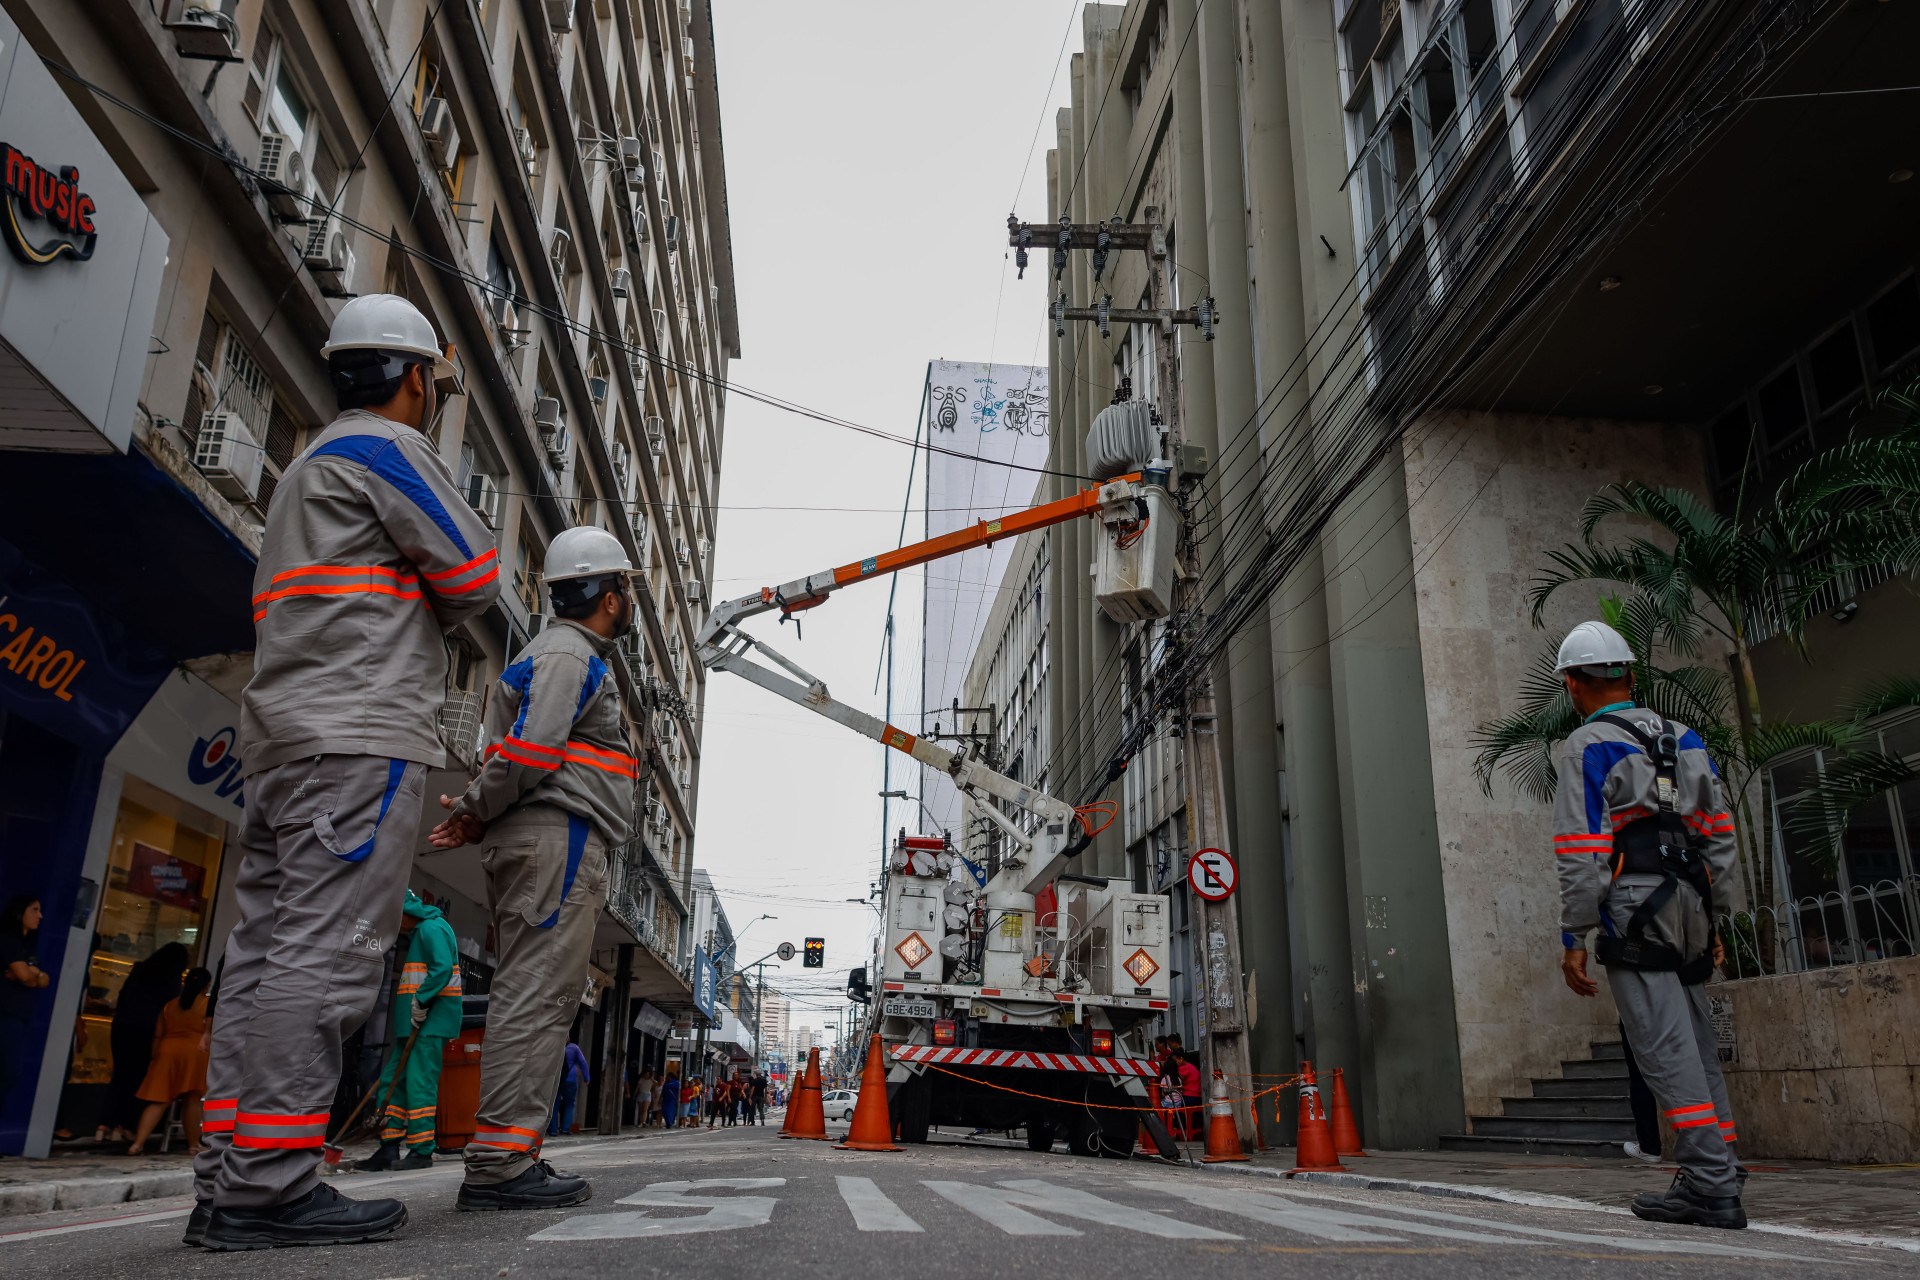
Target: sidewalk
1877,1200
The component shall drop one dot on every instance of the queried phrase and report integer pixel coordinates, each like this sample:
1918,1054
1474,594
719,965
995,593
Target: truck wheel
1117,1136
1039,1136
915,1108
1083,1136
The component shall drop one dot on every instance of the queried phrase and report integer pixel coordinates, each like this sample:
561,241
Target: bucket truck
1016,994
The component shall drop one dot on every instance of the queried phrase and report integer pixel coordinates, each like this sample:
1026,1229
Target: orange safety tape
1047,1097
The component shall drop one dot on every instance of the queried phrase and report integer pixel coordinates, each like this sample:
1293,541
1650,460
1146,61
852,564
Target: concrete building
547,183
1473,261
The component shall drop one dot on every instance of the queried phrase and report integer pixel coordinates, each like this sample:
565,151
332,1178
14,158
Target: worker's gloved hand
461,829
420,1011
1573,967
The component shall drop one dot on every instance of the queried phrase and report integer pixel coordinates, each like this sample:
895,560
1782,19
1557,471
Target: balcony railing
1852,926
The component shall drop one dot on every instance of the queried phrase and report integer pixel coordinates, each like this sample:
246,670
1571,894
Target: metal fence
1852,926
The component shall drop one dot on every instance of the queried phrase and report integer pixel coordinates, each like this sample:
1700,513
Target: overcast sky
872,155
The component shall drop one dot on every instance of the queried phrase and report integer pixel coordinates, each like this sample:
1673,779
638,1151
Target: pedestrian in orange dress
179,1068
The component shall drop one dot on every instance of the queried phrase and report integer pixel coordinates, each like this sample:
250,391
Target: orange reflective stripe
459,569
374,580
600,758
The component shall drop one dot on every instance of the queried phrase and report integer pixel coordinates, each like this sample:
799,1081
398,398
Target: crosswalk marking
1268,1209
872,1210
1008,1207
724,1213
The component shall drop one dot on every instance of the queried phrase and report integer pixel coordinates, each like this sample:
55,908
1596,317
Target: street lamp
901,795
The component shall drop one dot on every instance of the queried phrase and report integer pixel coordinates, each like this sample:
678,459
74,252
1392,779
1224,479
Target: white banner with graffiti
989,415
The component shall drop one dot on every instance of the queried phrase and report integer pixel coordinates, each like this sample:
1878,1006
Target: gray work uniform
557,792
1607,785
369,555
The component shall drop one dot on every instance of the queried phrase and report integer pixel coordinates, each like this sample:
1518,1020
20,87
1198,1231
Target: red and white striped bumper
1024,1059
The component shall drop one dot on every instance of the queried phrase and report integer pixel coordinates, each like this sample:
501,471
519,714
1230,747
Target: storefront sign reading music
45,195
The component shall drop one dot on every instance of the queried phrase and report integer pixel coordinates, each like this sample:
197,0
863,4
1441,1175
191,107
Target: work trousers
546,881
325,850
413,1107
1672,1040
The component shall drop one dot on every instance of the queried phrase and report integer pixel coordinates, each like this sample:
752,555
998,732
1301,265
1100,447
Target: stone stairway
1583,1113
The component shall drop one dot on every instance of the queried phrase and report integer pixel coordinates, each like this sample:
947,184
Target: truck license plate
897,1007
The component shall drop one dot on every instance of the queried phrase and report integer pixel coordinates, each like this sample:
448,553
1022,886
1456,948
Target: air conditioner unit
283,176
660,171
547,418
706,550
660,327
657,436
713,294
227,455
506,322
331,261
202,31
673,233
686,53
642,229
483,495
686,13
557,445
622,282
597,390
557,249
528,150
694,589
622,461
442,135
631,151
680,552
560,15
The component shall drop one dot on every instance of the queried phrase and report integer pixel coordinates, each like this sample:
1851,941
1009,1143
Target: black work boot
415,1158
197,1222
1681,1203
538,1187
322,1216
380,1160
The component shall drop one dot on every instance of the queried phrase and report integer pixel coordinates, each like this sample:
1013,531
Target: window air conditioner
657,436
442,135
557,250
686,53
659,171
506,322
227,455
547,417
631,151
202,31
483,495
680,552
641,230
622,460
560,15
622,282
694,589
597,390
528,150
330,258
283,176
706,550
673,233
557,445
686,13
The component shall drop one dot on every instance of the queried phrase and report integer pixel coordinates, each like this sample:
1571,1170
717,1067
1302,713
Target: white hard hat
386,322
585,551
1594,644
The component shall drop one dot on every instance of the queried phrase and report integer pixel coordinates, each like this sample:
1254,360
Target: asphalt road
739,1202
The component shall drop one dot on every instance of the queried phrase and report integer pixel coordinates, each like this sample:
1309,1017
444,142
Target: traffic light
816,957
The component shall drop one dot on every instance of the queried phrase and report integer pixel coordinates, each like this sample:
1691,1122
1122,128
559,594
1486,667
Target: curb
1467,1191
92,1193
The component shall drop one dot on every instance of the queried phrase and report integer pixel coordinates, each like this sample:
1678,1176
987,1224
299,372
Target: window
526,570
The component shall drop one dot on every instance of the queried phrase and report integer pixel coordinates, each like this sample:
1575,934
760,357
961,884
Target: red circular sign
1212,873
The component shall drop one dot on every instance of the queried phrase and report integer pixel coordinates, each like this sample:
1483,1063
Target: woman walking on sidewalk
179,1068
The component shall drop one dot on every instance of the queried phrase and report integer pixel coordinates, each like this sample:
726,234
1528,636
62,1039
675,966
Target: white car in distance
839,1104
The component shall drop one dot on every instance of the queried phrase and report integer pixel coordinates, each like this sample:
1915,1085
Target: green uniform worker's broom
330,1160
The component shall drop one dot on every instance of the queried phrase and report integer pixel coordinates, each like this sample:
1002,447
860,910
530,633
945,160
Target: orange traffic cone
1223,1139
805,1116
1314,1150
793,1109
1346,1134
872,1128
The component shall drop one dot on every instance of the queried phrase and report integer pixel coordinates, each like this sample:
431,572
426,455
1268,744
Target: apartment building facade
1471,261
546,181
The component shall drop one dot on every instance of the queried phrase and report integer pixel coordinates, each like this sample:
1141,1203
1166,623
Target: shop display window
162,873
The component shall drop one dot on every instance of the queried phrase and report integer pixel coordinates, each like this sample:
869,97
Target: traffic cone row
806,1117
1223,1136
1346,1134
1314,1152
872,1128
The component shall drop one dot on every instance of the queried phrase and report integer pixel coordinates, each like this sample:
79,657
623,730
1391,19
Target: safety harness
1658,844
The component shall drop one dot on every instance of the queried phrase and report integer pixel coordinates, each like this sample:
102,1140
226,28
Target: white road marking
125,1220
871,1209
1267,1209
1000,1208
724,1213
1075,1203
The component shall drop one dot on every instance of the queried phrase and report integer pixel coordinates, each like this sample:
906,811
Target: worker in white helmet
369,556
1645,854
557,791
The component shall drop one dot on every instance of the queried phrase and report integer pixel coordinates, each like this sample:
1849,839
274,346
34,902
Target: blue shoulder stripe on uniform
1596,763
519,678
1690,741
596,672
384,458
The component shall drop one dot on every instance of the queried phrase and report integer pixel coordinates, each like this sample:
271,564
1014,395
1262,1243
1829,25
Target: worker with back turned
1645,854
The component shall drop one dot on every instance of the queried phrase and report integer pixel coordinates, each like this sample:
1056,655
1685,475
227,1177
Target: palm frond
1770,742
1854,779
1895,693
1521,746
